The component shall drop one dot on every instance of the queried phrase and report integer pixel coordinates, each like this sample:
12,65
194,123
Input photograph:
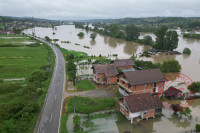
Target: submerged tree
132,32
93,36
166,40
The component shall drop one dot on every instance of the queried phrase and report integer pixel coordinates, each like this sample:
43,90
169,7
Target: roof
108,69
123,62
144,76
142,102
171,92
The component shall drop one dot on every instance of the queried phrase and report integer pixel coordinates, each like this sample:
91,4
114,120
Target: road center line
55,97
51,117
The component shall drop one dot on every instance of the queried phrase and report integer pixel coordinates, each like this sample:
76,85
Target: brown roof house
124,64
141,81
105,74
140,106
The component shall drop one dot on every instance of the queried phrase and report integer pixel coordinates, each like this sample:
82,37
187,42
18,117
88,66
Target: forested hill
190,22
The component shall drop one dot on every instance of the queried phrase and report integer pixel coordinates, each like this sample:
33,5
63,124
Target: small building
141,81
123,64
140,106
172,92
105,74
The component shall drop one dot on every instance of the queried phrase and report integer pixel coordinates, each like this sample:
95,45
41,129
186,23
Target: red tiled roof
144,76
108,69
123,62
142,102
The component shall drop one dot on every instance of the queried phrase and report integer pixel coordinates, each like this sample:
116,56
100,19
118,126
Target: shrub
194,87
38,76
197,127
80,34
171,66
187,51
77,121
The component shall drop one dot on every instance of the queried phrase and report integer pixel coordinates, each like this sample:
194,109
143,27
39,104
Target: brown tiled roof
123,62
108,69
142,102
144,76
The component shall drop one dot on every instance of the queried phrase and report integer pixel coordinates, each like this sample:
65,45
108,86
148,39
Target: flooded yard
117,123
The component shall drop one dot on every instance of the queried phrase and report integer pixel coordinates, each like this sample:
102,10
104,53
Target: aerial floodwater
105,46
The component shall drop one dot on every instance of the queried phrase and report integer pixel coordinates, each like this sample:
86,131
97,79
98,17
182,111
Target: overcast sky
98,9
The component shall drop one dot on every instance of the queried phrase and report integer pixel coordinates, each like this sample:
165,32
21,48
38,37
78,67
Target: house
172,92
123,64
105,74
140,106
141,81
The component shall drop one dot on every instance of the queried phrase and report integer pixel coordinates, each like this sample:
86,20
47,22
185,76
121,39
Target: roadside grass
5,35
85,85
21,62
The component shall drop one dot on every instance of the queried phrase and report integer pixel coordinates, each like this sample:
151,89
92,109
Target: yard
85,85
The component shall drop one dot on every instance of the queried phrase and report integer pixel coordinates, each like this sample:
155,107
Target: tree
197,127
187,51
47,38
170,66
80,34
171,41
93,36
17,31
147,40
87,27
132,32
194,87
160,34
166,40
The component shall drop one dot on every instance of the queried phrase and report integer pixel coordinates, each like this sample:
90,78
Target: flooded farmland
105,46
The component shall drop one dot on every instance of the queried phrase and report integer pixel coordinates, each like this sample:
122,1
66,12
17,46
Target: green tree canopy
187,51
80,34
166,40
132,32
93,36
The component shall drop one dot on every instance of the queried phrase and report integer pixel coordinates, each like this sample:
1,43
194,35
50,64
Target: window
104,79
98,79
145,112
145,85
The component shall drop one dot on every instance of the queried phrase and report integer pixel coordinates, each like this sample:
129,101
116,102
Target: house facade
140,106
105,74
141,81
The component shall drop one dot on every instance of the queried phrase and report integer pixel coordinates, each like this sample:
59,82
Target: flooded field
105,46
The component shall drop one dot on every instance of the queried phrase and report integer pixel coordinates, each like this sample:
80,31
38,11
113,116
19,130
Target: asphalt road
49,120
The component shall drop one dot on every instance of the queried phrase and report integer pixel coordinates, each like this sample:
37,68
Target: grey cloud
89,9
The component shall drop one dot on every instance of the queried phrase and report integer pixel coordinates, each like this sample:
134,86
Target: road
49,119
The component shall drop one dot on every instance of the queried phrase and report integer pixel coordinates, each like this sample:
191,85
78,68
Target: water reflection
92,42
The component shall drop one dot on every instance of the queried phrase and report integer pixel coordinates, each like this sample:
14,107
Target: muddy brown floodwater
105,46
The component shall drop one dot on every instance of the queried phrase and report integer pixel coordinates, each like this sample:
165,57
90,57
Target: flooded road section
105,46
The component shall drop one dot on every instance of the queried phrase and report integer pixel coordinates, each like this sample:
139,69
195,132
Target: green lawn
85,85
86,105
5,35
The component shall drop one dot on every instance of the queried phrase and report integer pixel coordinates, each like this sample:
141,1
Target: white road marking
51,117
55,97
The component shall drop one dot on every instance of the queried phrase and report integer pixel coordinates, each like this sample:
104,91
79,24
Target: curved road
49,119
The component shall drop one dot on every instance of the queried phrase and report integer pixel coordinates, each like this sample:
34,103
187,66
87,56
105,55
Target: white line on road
58,82
55,97
51,117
